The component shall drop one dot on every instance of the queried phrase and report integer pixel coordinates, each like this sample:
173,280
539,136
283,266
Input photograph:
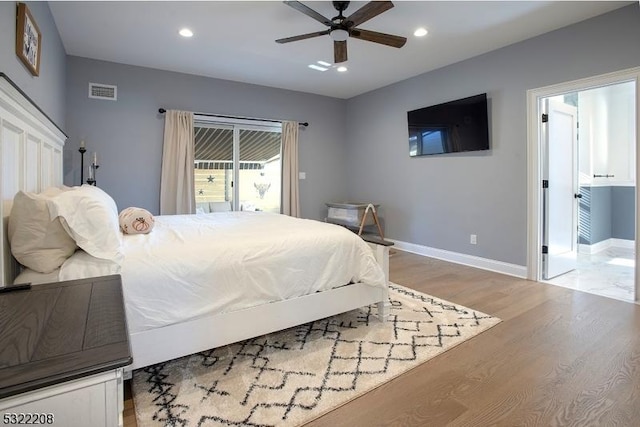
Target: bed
196,281
201,281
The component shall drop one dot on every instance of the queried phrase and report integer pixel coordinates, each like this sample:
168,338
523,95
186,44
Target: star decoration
211,178
201,192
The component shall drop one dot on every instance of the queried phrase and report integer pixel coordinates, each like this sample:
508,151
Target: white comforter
194,265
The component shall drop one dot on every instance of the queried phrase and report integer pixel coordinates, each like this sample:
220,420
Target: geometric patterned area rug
291,377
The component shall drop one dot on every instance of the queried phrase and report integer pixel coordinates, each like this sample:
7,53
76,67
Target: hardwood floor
559,357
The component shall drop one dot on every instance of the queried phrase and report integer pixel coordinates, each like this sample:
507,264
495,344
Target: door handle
577,196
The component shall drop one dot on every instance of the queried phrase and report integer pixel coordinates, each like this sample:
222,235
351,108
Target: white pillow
82,265
90,216
29,276
136,221
38,241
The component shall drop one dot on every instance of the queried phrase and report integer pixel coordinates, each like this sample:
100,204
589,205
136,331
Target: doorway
582,184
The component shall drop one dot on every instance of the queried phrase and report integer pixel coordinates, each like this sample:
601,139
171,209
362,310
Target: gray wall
438,201
47,90
623,213
607,212
127,134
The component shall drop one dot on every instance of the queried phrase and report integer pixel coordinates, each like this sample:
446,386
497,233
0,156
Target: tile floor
609,272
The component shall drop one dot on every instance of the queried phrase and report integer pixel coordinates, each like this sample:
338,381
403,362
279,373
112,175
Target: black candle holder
82,150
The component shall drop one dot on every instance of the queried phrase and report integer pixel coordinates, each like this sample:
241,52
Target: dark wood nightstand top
374,238
61,331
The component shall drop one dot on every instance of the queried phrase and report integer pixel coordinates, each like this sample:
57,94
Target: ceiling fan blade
368,11
376,37
308,11
339,51
303,36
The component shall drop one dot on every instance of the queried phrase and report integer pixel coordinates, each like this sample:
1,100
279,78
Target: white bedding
29,276
80,265
194,265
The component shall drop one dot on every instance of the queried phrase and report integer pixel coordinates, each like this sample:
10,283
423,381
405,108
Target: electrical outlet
474,239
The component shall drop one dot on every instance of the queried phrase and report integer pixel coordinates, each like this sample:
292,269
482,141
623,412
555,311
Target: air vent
102,91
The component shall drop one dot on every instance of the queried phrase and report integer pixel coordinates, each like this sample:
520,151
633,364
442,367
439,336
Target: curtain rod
305,124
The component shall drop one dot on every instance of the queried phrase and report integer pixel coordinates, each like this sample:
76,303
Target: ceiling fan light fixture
341,28
339,35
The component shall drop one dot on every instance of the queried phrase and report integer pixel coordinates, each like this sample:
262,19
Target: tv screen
452,127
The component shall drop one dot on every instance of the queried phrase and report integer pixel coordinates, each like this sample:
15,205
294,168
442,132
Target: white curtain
177,194
290,192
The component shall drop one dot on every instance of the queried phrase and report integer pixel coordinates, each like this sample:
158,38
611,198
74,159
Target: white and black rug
291,377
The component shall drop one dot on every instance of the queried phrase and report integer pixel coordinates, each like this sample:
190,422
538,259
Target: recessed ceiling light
342,69
324,63
185,32
420,32
317,67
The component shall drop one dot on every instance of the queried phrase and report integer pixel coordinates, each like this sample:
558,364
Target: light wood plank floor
560,357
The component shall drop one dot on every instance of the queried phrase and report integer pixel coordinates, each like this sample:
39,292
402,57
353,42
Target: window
237,165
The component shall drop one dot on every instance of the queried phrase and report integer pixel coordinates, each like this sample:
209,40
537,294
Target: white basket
349,213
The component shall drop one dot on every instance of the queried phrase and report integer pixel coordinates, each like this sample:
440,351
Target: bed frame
31,160
201,334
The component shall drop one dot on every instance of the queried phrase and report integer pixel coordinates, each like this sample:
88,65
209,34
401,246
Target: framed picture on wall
28,40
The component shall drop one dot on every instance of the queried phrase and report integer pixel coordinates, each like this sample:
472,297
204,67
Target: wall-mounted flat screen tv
452,127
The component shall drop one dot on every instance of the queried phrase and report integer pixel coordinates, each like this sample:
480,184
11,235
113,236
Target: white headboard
30,158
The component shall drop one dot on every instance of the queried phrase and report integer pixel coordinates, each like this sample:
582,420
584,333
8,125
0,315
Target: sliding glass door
237,166
214,167
260,173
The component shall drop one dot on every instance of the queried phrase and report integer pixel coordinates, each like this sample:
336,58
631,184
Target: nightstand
63,347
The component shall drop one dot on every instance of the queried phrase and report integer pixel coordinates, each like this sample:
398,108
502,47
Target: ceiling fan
341,27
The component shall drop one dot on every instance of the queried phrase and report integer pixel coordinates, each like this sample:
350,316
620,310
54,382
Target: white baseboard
604,244
464,259
596,247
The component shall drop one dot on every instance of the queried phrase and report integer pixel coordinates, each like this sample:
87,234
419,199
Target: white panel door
561,219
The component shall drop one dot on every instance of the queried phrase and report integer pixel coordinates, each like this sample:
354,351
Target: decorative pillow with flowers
136,221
